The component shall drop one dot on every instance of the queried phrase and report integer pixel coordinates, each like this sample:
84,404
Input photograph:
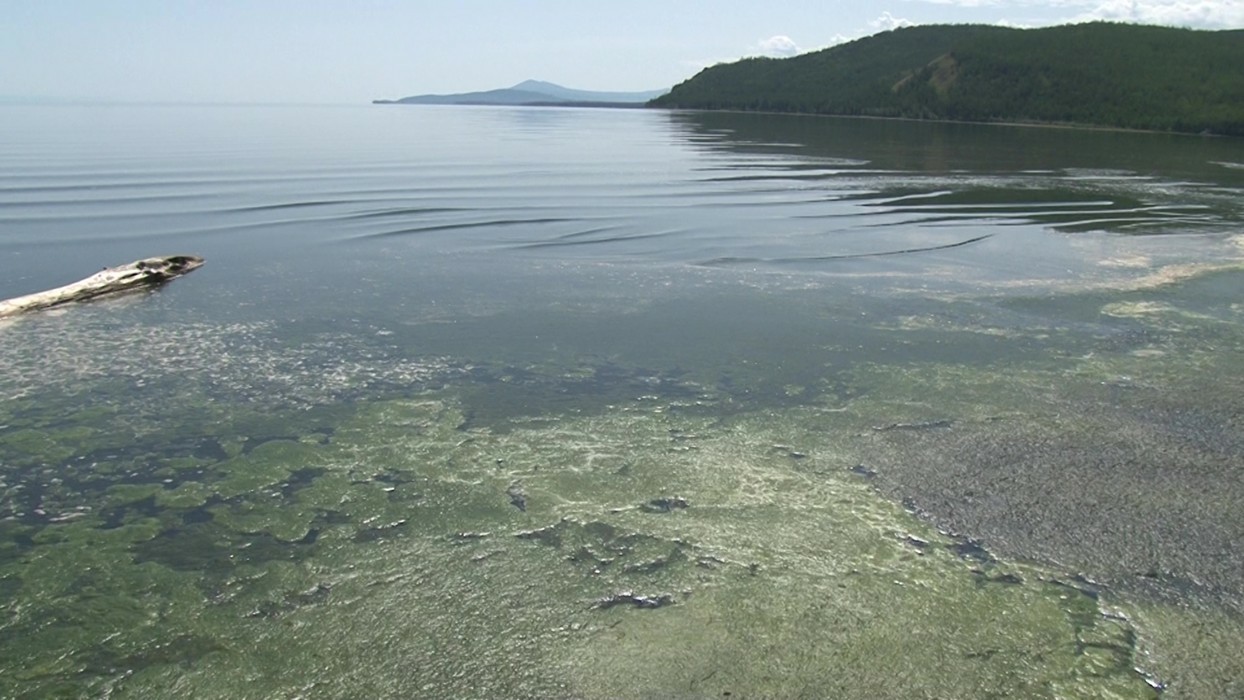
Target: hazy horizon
323,52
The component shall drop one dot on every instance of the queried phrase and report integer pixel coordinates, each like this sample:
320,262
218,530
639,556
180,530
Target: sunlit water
494,402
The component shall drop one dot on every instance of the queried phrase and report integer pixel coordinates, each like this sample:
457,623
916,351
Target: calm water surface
496,402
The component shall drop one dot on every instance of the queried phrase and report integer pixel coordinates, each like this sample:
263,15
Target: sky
354,51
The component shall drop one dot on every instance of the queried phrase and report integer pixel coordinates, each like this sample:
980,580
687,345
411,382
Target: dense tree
1105,74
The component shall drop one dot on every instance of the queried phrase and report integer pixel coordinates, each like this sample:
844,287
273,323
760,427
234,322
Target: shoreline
1071,126
1028,124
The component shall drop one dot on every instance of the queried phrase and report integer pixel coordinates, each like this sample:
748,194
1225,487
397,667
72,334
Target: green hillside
1116,75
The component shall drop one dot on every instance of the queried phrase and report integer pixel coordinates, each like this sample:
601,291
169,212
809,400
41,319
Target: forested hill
1116,75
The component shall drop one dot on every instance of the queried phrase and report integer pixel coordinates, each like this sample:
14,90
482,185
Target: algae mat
638,553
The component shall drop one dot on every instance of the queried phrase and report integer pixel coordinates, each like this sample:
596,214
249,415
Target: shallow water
591,403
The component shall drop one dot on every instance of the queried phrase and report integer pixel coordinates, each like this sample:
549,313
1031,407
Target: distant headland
534,93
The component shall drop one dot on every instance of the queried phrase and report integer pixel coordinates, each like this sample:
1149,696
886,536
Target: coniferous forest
1099,74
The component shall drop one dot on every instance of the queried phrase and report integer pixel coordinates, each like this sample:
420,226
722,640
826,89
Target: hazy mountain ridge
1104,74
531,92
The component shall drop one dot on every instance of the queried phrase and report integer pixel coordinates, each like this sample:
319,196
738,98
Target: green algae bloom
654,553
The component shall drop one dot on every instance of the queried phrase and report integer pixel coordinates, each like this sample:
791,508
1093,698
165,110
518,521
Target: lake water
506,402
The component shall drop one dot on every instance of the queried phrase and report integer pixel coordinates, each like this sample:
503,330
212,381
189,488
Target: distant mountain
532,92
1103,74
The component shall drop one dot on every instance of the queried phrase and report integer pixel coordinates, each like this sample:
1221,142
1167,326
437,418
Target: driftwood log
138,275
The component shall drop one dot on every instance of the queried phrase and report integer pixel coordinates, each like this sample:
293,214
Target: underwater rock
923,425
518,497
790,452
550,535
918,542
665,505
314,595
633,599
861,470
379,532
657,564
972,549
1011,579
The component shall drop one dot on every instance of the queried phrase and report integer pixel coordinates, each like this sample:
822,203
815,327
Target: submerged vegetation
459,529
384,552
1115,75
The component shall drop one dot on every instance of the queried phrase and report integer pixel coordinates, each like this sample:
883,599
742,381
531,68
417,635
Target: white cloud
887,21
1203,14
778,46
978,3
1208,14
1011,24
884,23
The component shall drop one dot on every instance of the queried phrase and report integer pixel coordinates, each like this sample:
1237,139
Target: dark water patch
62,494
178,650
715,354
18,537
300,479
10,586
517,393
207,548
250,443
182,649
202,514
118,516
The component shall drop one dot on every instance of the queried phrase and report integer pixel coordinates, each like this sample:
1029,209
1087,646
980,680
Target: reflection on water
592,403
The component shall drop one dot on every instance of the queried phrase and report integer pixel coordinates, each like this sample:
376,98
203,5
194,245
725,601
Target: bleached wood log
141,274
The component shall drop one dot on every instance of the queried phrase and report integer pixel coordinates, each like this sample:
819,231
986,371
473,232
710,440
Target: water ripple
456,226
719,262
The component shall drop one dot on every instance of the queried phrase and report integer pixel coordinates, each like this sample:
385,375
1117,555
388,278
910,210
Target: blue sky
342,51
